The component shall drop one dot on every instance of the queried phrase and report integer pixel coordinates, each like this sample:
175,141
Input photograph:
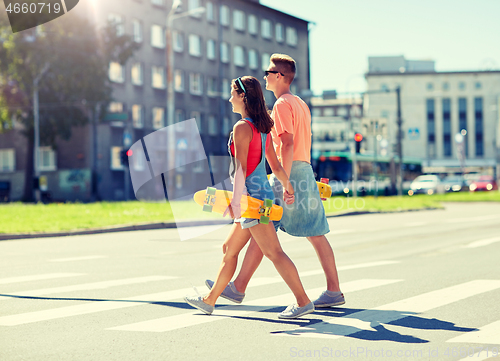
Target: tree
78,57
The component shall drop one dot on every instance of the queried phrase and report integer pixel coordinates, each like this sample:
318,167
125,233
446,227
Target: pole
400,143
353,155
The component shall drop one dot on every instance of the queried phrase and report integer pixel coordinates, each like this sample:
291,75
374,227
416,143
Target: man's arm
287,152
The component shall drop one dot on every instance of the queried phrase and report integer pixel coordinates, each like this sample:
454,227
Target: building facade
230,38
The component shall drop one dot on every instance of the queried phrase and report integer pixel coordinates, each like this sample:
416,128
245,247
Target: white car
425,184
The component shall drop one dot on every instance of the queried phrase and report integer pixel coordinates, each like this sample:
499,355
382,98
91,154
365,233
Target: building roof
435,73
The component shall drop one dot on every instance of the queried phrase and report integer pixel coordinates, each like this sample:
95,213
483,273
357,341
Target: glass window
239,56
239,20
446,86
226,126
462,119
197,117
137,116
195,83
194,45
328,112
291,36
194,4
158,77
384,87
212,125
252,24
446,103
115,107
116,73
178,41
431,132
179,80
224,15
252,59
478,85
461,85
47,159
158,117
136,74
117,21
316,112
116,163
265,28
210,11
211,86
211,49
157,37
265,58
430,86
478,122
224,52
226,89
7,160
280,36
137,30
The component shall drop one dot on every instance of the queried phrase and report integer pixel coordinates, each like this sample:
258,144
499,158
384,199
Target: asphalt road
418,285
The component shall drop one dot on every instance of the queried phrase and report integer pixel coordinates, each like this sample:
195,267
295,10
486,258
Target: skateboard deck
216,200
325,191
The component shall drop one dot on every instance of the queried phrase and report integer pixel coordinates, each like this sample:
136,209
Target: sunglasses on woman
267,72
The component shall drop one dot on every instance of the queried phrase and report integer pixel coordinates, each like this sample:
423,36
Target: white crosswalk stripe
189,319
46,276
482,242
73,259
489,334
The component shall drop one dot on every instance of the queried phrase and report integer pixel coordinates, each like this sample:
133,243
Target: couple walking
284,139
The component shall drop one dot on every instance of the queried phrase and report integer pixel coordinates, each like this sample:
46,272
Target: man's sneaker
294,311
197,302
329,299
230,292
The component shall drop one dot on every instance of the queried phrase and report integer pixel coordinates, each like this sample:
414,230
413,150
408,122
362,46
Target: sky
457,34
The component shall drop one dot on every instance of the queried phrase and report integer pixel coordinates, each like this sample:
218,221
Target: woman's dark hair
254,102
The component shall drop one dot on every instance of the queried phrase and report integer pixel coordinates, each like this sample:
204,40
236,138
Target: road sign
413,133
182,144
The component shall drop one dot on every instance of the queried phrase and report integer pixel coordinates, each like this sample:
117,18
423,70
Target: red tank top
254,149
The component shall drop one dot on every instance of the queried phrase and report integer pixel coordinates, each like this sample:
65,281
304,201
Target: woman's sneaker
294,311
230,292
197,302
329,299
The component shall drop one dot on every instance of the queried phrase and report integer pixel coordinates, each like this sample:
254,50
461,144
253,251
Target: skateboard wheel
207,208
268,203
211,191
264,220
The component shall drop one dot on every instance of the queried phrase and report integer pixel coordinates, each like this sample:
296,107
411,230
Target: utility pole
353,153
400,142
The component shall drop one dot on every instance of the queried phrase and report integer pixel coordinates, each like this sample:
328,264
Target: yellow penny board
325,191
216,200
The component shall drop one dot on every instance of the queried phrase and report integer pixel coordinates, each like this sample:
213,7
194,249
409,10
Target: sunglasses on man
267,72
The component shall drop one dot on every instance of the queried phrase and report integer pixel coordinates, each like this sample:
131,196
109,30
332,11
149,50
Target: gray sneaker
197,302
329,299
294,311
230,292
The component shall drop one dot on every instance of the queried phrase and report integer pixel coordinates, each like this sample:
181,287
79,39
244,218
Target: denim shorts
306,216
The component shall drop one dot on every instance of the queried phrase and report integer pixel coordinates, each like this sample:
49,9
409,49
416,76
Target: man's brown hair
286,65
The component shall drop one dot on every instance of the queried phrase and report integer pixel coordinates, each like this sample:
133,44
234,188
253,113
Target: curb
168,225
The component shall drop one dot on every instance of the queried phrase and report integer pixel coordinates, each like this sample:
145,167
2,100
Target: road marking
338,327
349,267
483,242
77,258
88,286
474,219
489,334
46,276
341,231
170,323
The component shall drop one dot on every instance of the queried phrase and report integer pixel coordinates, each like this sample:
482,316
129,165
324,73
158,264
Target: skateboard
325,191
216,200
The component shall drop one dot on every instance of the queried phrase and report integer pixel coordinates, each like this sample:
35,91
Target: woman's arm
280,173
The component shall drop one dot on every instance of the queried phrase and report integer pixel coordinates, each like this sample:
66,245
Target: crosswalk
331,327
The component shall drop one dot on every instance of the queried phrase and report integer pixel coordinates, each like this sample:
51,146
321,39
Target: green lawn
29,218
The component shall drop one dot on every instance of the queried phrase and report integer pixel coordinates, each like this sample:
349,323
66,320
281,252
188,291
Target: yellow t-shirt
291,115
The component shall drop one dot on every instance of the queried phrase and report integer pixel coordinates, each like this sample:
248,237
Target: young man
306,217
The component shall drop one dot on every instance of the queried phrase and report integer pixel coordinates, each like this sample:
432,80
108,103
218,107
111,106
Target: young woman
249,145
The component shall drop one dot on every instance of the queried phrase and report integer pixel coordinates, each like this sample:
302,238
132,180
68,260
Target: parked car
453,183
425,184
484,183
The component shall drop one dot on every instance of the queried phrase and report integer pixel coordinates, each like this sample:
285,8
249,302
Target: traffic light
124,154
358,138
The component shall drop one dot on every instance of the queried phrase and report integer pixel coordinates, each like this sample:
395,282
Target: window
157,37
195,83
117,21
461,85
158,2
7,160
252,24
316,112
328,112
116,72
197,117
384,87
446,86
136,74
192,5
212,125
226,126
265,29
179,117
478,121
179,80
478,85
224,52
210,11
137,30
194,45
252,59
47,159
446,127
178,45
291,36
462,120
158,117
116,163
265,57
430,86
115,107
224,15
158,77
226,89
280,36
431,128
210,49
211,86
239,20
137,116
239,56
